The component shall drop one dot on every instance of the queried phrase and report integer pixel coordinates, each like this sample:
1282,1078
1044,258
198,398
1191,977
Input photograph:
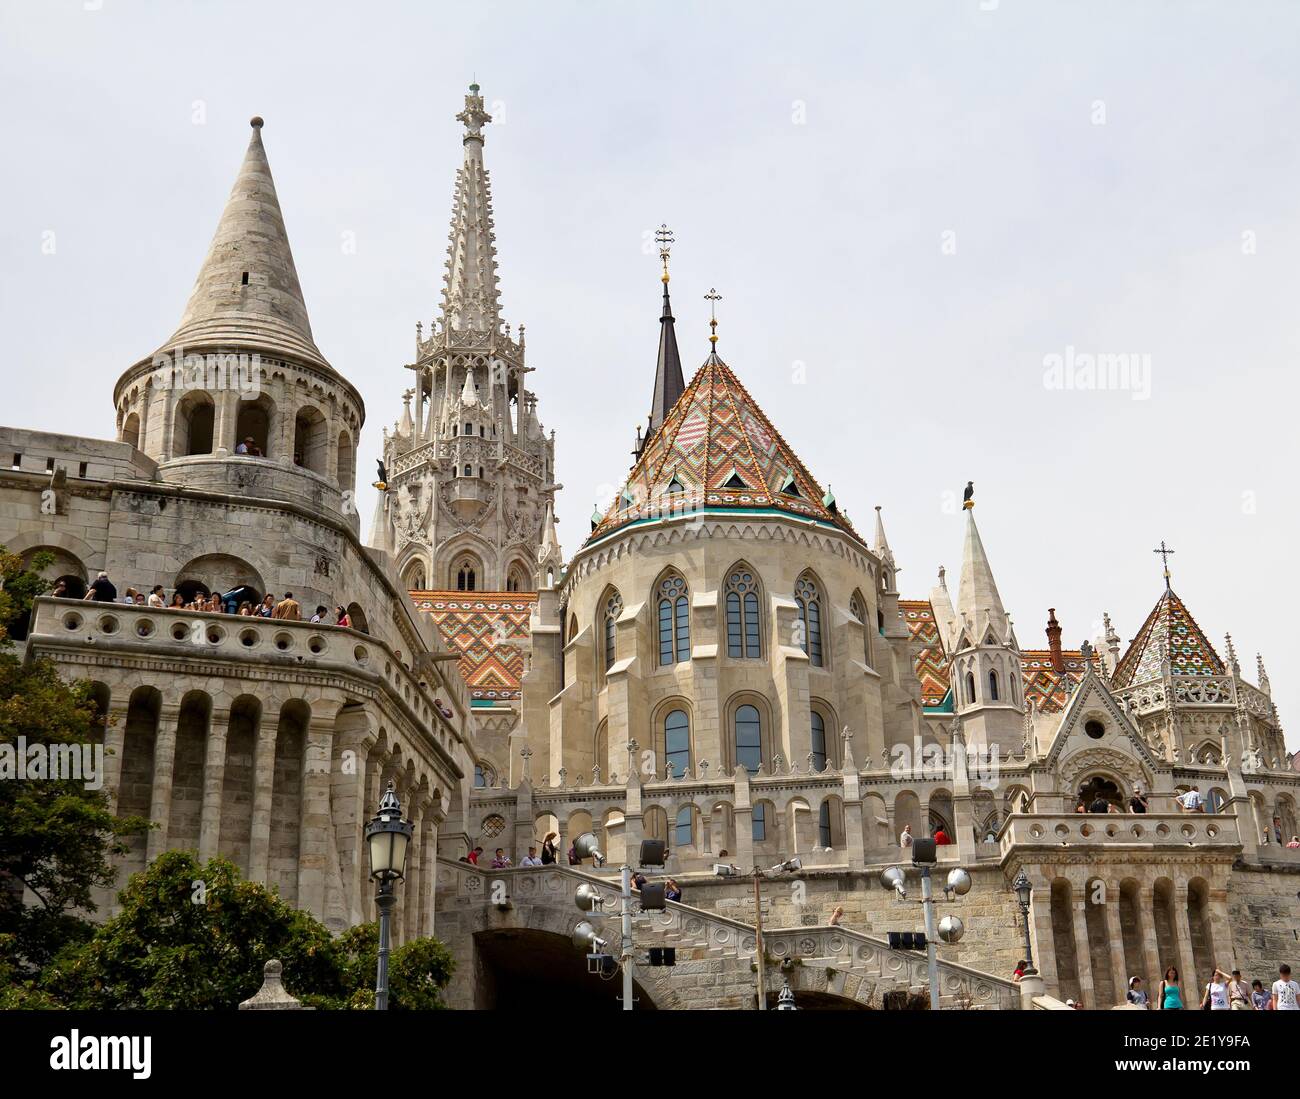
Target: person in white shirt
156,597
1216,992
905,839
1286,993
1191,801
531,858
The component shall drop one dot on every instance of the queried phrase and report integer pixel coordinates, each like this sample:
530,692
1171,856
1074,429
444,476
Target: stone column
1040,928
744,817
854,848
1115,935
408,901
259,844
1189,979
226,413
1150,946
1082,950
164,757
429,870
114,741
214,776
315,833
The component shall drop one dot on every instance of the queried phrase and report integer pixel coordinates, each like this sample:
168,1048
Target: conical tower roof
247,293
979,606
471,298
1169,627
669,382
717,450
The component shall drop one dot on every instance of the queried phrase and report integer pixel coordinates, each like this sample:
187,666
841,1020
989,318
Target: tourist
1136,995
102,590
723,853
1295,842
904,839
837,917
1170,996
344,619
638,881
1080,807
287,609
1286,993
1277,829
501,861
60,590
130,596
1215,995
573,856
473,855
246,609
1078,1005
1259,996
941,837
1191,801
267,607
1019,971
1111,807
1138,802
548,849
320,614
672,891
1099,804
156,599
1239,993
531,858
178,602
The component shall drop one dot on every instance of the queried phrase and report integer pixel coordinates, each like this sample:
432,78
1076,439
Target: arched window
469,470
759,822
748,727
824,825
674,622
483,777
810,614
970,688
993,685
613,608
677,742
683,833
858,608
742,615
467,574
818,742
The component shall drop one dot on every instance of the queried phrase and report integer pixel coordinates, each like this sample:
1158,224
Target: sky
924,220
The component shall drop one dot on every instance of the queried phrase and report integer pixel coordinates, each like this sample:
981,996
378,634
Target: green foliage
196,937
56,837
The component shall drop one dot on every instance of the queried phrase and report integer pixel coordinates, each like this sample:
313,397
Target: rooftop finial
664,238
256,122
713,297
1165,554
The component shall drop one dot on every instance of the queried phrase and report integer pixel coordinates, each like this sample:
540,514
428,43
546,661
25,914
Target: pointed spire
549,540
1231,650
669,381
881,547
471,300
468,393
247,293
978,601
1264,684
407,425
944,616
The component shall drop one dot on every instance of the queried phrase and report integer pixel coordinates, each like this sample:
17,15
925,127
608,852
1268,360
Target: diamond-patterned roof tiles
1170,626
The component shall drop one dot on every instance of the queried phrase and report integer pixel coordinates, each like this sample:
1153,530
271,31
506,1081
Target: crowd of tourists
548,855
236,602
1224,991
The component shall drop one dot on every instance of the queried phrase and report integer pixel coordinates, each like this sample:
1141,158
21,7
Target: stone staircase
715,953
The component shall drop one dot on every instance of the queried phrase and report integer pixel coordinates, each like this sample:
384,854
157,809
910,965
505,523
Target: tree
197,937
57,838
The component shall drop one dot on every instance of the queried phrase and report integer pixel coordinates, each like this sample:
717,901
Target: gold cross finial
1164,556
664,238
713,297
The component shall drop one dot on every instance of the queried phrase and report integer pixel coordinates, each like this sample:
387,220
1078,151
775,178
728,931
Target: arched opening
253,427
135,796
993,685
517,578
1100,787
466,573
358,617
237,780
677,742
673,606
518,968
1063,941
747,729
309,440
808,600
970,688
744,635
131,430
346,463
413,578
233,578
286,798
195,416
612,609
187,772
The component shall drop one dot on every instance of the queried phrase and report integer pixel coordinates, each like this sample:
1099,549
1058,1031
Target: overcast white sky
908,206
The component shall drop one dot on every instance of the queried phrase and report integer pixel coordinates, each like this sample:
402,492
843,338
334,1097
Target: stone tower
469,470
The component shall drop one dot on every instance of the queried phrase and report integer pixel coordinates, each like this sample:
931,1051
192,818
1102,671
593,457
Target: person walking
1286,993
344,619
905,837
1239,993
1259,998
531,858
837,917
1215,996
1170,996
548,849
1136,995
287,609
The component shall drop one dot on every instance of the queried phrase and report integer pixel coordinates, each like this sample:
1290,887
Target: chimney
1054,640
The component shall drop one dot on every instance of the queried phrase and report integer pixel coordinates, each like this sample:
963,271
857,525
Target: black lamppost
1023,892
387,837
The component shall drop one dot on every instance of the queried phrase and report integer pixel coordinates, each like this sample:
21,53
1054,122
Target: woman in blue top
1171,997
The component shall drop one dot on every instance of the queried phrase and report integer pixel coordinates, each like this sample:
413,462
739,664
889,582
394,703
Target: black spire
669,383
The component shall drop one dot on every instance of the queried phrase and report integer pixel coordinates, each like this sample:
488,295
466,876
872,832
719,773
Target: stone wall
1264,913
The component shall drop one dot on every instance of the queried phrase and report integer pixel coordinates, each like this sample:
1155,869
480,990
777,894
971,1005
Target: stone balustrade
1118,829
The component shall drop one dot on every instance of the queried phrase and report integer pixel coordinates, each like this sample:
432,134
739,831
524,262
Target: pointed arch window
742,615
993,685
677,742
683,832
613,608
970,688
674,621
758,818
824,825
808,599
818,743
748,738
858,608
466,575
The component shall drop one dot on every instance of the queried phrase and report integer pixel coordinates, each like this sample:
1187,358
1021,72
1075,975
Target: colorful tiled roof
930,662
717,449
489,630
1169,625
1046,688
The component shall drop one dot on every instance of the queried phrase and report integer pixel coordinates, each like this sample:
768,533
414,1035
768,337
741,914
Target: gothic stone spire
471,298
670,384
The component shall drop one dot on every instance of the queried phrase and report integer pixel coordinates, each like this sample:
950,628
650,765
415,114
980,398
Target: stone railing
461,884
1118,829
182,636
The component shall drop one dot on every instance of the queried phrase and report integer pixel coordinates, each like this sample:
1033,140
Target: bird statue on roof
382,483
967,497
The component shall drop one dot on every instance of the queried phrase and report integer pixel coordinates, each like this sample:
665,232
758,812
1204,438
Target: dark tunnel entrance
524,970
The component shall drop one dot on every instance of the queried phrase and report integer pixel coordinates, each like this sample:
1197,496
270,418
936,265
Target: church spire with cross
669,382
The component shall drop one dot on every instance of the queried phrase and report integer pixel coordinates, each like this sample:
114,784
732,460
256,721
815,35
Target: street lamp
1024,891
388,837
950,929
725,870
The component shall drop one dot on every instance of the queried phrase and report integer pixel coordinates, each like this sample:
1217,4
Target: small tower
986,671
